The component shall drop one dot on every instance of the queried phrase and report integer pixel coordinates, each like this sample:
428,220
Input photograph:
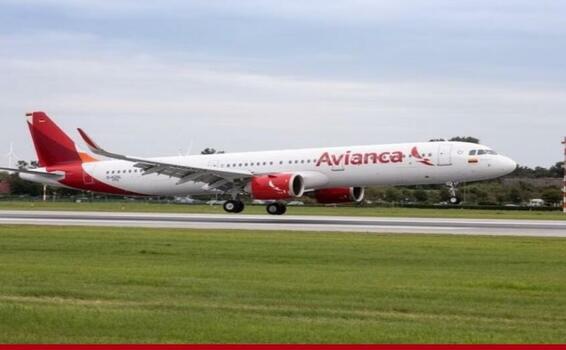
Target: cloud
518,15
135,93
358,72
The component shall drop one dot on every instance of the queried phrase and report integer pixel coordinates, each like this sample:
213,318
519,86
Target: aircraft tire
239,207
276,208
454,200
233,206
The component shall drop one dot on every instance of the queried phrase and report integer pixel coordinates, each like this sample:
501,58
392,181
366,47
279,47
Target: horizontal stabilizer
54,176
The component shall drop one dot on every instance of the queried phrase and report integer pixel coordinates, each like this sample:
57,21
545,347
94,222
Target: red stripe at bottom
286,346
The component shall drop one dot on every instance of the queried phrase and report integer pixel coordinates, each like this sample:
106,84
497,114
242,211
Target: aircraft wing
54,176
219,179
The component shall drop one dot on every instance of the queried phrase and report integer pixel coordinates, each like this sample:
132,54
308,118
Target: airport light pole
564,182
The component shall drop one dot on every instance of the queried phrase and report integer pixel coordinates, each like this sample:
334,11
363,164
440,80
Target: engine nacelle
277,186
339,195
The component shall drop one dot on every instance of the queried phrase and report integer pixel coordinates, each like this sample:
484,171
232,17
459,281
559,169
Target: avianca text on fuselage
350,158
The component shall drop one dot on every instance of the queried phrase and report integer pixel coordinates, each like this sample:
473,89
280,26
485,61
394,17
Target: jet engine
339,195
277,186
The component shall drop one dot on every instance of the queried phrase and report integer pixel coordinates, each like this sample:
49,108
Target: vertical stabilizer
52,145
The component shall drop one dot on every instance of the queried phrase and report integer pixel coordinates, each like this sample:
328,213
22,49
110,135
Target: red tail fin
52,145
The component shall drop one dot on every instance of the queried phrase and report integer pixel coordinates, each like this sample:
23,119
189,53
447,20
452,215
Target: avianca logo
275,188
420,158
360,158
350,158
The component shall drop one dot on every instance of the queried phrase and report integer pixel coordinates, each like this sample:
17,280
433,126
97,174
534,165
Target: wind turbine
187,152
11,155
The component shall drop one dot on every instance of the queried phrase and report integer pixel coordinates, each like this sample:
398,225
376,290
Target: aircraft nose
508,165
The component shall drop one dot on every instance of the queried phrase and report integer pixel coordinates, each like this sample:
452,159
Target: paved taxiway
538,228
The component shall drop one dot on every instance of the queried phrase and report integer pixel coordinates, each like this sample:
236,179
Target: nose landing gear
455,198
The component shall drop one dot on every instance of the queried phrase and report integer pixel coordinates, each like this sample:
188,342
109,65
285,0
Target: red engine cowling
339,195
277,186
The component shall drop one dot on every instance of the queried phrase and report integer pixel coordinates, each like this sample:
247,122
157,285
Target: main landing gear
276,208
233,206
454,199
237,206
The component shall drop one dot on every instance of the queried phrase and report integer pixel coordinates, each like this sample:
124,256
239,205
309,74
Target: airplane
329,174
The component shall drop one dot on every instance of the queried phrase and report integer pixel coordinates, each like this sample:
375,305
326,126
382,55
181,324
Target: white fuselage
391,164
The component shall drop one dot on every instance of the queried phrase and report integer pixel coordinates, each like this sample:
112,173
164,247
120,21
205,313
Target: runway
537,228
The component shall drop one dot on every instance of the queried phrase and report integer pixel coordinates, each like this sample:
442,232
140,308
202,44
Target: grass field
258,209
141,285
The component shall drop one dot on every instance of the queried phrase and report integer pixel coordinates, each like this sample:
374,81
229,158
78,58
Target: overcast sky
149,78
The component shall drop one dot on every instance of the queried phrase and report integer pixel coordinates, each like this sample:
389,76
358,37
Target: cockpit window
482,152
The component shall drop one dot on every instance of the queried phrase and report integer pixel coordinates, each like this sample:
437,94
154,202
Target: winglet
96,149
90,143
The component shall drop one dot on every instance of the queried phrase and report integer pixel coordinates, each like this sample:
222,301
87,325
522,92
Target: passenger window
473,152
481,151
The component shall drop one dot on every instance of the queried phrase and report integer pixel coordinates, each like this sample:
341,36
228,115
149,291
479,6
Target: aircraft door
444,156
87,179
